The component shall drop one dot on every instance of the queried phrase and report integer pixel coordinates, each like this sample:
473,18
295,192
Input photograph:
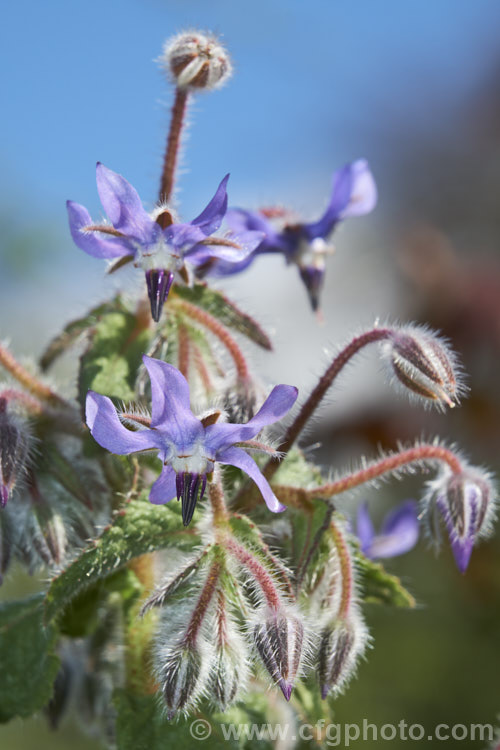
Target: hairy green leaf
110,364
137,529
70,334
29,667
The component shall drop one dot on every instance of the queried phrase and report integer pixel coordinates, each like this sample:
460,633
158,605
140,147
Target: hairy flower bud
342,642
196,61
14,446
180,678
466,502
424,364
229,670
279,641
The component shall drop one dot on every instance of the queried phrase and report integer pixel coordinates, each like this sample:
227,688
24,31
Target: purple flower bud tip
159,283
325,689
4,496
286,689
171,714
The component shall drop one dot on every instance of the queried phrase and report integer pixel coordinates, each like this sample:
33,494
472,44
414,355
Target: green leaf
381,587
141,724
75,329
137,529
218,305
29,667
110,364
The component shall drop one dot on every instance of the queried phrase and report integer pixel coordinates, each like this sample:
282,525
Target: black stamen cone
190,488
159,283
313,279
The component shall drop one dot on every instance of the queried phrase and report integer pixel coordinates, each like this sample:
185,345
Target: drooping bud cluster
424,365
196,61
466,502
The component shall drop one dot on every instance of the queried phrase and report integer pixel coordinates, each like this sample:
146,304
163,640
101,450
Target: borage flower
188,447
398,534
154,242
354,193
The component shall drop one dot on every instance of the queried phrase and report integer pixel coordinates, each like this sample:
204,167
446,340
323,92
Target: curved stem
213,325
32,384
173,143
309,407
258,571
203,602
386,465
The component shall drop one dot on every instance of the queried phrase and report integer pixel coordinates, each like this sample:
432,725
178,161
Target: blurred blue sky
316,84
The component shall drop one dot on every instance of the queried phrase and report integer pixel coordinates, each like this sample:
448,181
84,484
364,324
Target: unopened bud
229,670
180,678
14,447
46,530
424,364
196,61
279,641
341,644
466,502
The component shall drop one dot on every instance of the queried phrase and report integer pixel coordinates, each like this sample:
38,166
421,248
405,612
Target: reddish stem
203,602
32,384
386,465
183,351
222,334
314,400
260,574
173,143
346,573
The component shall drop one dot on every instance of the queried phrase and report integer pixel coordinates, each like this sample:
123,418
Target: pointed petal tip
325,689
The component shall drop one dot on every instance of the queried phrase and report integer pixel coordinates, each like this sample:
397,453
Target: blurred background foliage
412,87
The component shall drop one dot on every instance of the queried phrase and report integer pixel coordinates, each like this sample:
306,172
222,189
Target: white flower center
313,253
191,461
161,255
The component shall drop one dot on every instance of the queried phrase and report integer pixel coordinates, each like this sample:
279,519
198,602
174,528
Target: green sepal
379,586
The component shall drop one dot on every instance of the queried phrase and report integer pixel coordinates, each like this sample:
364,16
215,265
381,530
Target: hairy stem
257,570
309,407
346,572
183,350
386,465
203,602
213,325
216,494
32,384
173,143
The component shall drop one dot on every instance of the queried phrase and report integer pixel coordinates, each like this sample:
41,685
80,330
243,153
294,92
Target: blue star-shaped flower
154,242
187,448
353,194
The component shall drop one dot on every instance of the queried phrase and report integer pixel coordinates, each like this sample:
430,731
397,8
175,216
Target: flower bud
229,670
180,677
196,61
424,364
279,641
14,446
342,642
466,502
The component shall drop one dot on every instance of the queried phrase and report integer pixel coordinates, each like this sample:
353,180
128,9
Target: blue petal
109,432
237,457
211,218
93,243
354,193
399,532
364,527
164,489
171,412
247,241
278,403
123,206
